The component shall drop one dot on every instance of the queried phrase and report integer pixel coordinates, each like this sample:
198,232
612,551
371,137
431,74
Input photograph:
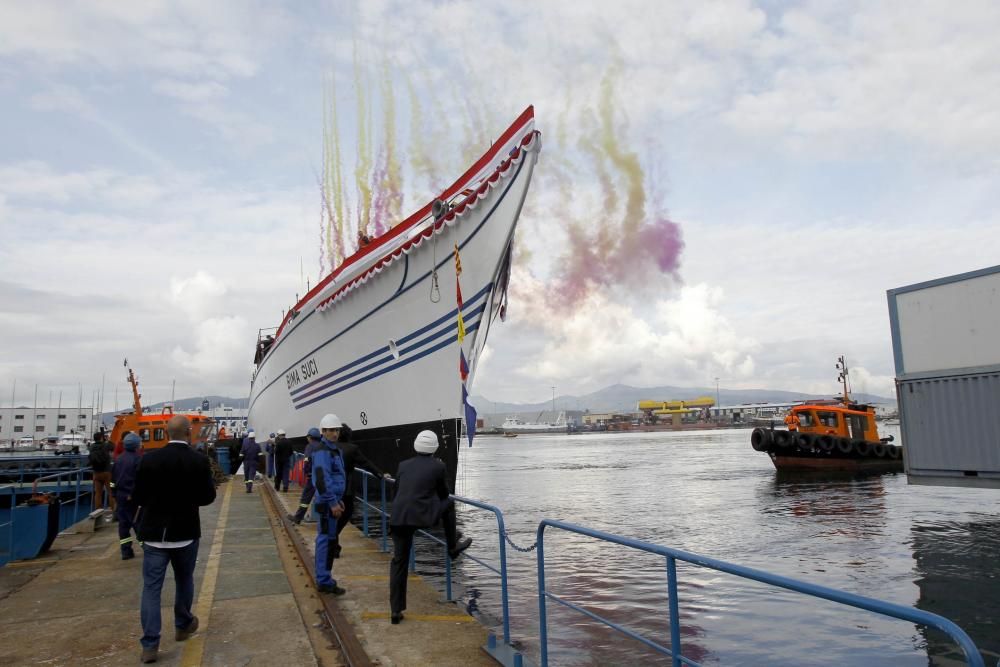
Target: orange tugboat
152,427
830,435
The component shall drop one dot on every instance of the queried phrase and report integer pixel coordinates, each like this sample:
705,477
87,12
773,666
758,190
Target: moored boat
830,435
152,427
379,341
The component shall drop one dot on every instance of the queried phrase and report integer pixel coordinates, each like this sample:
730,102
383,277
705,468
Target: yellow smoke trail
364,162
339,204
420,160
393,180
627,162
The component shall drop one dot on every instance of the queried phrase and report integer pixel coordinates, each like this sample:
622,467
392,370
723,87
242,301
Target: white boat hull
385,354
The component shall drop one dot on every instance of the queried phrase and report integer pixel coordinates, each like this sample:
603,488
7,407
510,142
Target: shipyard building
40,423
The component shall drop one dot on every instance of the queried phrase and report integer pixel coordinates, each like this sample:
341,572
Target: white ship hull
374,345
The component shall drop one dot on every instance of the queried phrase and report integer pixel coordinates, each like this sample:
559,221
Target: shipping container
946,349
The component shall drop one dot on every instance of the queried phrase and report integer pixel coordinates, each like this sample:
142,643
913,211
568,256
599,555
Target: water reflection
838,504
958,571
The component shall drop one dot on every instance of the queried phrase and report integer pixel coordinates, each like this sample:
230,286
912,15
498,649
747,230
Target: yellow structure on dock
678,407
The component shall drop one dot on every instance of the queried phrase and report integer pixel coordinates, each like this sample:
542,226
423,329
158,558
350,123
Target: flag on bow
463,366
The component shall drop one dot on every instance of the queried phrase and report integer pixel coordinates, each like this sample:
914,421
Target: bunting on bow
463,365
458,296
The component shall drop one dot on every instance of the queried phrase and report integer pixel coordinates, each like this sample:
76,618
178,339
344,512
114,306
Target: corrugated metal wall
952,424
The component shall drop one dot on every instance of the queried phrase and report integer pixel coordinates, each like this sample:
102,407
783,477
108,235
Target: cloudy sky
159,169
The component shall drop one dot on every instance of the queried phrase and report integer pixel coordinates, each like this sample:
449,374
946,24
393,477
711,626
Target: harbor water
708,492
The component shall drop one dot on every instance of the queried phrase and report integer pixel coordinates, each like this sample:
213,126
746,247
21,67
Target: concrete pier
256,601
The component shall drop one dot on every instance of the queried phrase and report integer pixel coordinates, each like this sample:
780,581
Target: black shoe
182,634
461,546
149,655
128,555
294,519
335,589
396,618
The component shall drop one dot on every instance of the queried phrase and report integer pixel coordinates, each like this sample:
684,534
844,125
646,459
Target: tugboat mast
843,378
135,391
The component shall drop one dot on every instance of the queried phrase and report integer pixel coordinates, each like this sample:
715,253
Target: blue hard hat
132,442
314,433
272,435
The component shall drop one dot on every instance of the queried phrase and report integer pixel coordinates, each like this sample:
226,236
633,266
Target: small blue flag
470,416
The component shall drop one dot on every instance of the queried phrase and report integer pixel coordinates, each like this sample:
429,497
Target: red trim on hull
809,463
526,116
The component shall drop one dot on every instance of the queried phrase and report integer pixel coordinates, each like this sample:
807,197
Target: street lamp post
718,403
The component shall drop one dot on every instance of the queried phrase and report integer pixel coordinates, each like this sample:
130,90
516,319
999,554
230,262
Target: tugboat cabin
855,421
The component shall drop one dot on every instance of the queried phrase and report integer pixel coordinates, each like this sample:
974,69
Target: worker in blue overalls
308,490
122,485
330,480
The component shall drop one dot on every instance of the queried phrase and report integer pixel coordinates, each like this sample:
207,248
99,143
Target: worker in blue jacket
330,480
308,490
122,485
250,452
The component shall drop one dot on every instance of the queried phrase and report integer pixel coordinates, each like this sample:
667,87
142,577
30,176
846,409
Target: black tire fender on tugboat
760,439
894,452
805,441
862,447
844,445
879,450
826,443
782,439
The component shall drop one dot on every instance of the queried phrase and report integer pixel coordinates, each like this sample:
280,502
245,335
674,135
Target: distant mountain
623,398
184,405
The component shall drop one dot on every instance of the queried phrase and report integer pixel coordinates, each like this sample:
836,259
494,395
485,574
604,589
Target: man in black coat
353,457
282,460
421,501
171,484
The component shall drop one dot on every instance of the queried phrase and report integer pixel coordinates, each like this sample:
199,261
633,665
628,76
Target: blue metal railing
9,525
64,485
972,654
19,470
501,532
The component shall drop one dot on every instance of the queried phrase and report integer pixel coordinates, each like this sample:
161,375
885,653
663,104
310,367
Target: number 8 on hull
378,340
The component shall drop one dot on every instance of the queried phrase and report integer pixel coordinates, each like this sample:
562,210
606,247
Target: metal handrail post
385,537
675,614
447,574
543,630
503,578
364,503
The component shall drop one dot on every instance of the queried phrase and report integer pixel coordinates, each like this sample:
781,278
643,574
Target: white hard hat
330,421
281,431
251,434
426,442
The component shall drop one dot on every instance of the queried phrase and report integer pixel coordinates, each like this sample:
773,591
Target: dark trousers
154,569
345,518
126,516
249,472
308,491
281,473
102,485
402,542
326,537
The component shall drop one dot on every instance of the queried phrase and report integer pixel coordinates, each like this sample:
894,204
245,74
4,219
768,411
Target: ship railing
972,655
505,653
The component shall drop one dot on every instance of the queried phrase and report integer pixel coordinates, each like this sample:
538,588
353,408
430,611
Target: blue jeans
326,537
154,569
